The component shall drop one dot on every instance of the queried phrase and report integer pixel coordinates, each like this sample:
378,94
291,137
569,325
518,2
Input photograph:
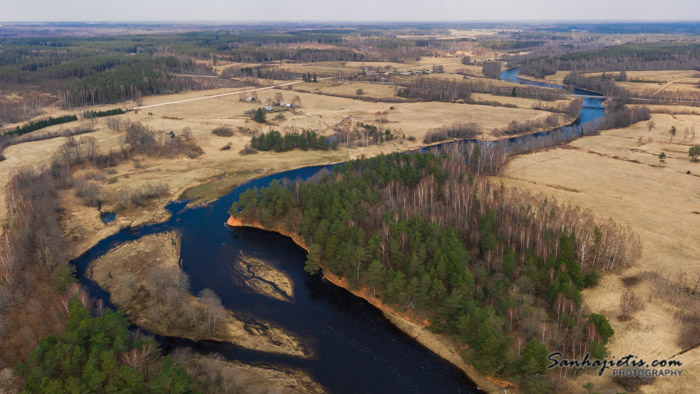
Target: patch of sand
265,279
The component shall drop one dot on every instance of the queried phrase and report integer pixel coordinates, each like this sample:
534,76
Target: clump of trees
498,268
528,126
572,109
101,114
373,135
99,354
274,140
619,115
694,152
458,130
491,70
308,77
223,131
264,72
602,84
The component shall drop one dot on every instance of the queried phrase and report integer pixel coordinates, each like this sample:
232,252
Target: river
356,349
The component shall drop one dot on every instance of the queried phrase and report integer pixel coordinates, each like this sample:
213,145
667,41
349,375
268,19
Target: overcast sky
353,10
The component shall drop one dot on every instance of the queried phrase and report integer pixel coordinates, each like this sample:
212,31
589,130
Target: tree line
40,124
439,89
498,268
101,114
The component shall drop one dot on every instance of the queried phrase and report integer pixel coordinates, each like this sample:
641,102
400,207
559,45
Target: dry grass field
227,167
616,176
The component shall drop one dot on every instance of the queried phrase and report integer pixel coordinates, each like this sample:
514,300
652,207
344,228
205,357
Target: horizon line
268,21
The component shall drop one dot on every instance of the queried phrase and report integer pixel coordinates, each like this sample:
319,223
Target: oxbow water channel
356,349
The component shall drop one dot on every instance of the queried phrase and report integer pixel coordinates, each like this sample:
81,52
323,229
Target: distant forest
99,70
629,57
500,269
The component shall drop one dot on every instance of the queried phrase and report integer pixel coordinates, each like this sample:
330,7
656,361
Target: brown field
373,90
616,176
318,112
669,81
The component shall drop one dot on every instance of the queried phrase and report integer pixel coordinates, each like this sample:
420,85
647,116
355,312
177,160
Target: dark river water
356,349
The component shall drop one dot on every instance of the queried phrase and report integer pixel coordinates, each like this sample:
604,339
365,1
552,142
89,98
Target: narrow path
667,84
255,90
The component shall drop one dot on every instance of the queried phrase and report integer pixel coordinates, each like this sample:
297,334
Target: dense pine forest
499,269
99,354
274,140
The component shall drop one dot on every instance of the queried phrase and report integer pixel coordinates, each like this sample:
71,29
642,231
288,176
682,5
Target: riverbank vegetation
456,131
439,89
498,268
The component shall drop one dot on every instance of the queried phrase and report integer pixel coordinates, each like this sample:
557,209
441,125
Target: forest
643,56
98,70
499,269
99,354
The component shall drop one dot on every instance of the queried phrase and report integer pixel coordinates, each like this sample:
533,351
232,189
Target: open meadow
617,174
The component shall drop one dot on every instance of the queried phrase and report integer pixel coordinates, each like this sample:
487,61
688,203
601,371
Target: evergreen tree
259,116
87,358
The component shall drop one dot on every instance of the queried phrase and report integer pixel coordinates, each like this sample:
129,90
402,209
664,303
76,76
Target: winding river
356,349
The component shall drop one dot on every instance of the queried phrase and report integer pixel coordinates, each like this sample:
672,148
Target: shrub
248,150
223,131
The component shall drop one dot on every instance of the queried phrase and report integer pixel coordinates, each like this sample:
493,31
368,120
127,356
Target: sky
353,10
